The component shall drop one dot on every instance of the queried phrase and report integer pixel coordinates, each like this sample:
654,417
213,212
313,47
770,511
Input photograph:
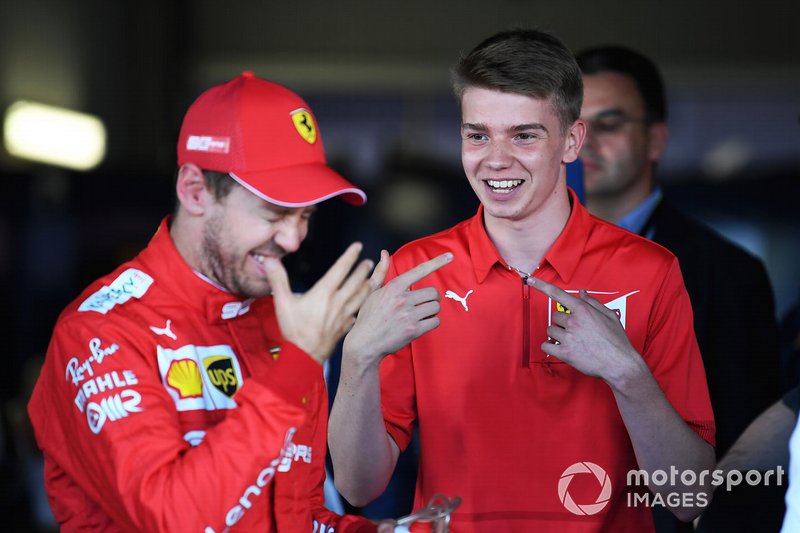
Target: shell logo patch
304,124
184,376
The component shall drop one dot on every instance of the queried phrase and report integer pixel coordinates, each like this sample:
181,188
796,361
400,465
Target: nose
499,156
290,234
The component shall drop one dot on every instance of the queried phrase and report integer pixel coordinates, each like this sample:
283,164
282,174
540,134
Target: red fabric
500,424
198,426
267,138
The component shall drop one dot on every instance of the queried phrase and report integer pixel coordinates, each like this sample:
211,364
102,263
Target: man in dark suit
734,318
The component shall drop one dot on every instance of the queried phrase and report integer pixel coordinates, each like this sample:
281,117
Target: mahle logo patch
304,124
222,374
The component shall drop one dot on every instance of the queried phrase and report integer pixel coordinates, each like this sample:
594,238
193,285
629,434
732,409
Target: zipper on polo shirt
526,323
526,316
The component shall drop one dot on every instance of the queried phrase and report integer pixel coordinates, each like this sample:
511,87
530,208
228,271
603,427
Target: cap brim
299,186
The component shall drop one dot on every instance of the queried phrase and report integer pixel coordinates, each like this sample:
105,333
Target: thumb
278,279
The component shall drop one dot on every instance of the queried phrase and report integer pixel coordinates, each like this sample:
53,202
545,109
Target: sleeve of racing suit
121,442
326,521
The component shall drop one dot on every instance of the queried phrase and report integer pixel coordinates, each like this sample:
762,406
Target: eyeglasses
610,122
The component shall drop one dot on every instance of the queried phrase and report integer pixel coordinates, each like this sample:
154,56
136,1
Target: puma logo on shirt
165,331
456,297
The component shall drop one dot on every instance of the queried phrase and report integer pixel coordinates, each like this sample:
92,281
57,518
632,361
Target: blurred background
376,75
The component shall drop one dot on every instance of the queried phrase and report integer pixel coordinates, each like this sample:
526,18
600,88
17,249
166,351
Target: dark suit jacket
734,319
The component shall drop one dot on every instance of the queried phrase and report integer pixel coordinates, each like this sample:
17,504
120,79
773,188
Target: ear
659,133
574,138
191,190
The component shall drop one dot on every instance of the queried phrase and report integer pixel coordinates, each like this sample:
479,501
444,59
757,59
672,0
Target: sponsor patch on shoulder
132,283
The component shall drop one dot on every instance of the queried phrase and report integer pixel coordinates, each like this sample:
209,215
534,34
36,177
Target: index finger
561,296
413,275
336,273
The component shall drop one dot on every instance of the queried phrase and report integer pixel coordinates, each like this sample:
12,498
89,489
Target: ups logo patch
222,374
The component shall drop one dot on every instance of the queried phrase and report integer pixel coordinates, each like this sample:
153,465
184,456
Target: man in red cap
177,394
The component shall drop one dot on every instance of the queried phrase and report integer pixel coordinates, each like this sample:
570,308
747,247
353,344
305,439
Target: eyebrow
282,210
519,127
530,126
613,112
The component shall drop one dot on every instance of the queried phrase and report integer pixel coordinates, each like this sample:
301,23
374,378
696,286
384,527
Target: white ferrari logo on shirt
619,304
456,297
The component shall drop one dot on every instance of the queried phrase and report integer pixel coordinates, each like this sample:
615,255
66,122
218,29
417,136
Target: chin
252,288
257,293
502,211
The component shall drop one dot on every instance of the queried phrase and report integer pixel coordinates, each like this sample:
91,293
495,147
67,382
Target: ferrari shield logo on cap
304,124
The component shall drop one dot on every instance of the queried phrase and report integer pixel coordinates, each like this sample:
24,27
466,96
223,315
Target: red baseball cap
266,138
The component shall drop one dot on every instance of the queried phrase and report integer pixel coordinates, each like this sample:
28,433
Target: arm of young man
592,339
364,455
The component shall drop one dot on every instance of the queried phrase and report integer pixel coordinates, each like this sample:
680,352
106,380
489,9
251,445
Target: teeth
259,258
503,186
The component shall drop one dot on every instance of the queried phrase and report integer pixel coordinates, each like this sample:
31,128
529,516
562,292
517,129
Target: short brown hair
527,62
219,183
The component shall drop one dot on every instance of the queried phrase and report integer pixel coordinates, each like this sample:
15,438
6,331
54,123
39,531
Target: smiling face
512,149
239,231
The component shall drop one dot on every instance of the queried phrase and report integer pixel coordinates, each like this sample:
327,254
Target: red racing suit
168,404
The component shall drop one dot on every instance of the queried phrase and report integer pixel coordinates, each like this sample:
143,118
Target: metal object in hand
438,512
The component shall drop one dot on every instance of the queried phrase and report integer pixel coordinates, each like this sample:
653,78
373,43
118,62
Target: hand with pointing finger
590,337
317,319
393,315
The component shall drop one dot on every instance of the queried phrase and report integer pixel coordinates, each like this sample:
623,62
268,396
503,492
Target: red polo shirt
500,421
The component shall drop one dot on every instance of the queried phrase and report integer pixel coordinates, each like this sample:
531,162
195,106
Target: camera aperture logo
584,509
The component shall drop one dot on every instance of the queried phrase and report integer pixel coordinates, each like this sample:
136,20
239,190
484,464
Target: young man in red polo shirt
533,405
